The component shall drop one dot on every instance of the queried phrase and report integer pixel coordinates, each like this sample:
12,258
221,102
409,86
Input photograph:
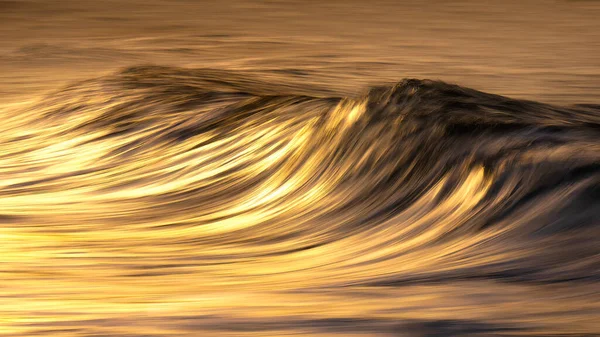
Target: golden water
279,192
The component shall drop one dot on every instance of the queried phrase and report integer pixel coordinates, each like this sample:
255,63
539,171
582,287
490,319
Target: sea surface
319,168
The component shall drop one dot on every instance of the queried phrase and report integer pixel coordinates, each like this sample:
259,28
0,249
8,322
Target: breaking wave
184,201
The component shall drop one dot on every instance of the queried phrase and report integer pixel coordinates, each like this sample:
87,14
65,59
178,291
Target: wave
183,200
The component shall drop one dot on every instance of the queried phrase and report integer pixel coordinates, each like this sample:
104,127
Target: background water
543,50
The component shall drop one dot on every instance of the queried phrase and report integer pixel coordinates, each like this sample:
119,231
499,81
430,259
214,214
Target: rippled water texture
274,179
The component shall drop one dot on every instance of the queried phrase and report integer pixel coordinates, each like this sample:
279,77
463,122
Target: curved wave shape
170,201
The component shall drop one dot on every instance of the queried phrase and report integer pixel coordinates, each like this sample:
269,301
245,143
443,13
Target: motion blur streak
163,201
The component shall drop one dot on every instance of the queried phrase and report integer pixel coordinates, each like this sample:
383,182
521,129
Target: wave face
171,202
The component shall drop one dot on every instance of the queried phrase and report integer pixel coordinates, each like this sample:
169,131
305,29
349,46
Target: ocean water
276,168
